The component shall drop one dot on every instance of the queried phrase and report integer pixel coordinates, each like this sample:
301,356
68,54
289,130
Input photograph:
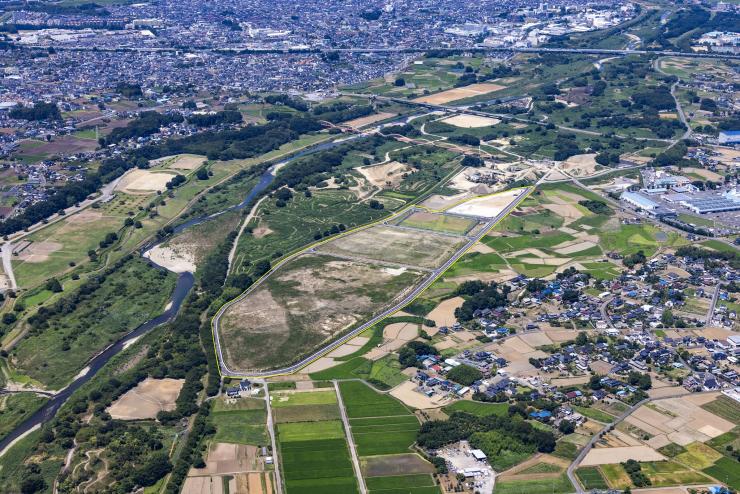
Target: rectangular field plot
396,245
395,465
306,302
361,401
282,400
317,466
240,426
306,413
380,424
591,478
725,407
439,222
309,431
405,484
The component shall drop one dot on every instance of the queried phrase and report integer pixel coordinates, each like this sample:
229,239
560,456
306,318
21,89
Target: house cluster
431,378
244,388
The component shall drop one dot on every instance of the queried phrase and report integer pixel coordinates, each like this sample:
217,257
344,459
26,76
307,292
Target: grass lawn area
591,478
725,407
308,431
241,427
478,408
512,244
594,414
303,398
615,476
699,456
565,449
476,262
439,223
668,473
719,246
629,239
544,486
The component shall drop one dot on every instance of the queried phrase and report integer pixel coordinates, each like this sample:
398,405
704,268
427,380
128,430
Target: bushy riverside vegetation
61,337
135,453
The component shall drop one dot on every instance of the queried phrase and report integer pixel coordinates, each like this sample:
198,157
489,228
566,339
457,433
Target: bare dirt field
307,301
487,207
535,339
350,347
394,337
438,202
604,456
180,161
395,245
405,392
388,465
203,485
681,420
226,458
148,398
39,251
706,174
577,247
370,119
386,175
580,164
444,313
727,155
471,121
144,181
460,93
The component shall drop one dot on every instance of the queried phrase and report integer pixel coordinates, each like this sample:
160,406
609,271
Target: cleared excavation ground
439,222
396,245
308,301
148,398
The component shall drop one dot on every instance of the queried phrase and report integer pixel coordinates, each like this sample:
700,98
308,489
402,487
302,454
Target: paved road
226,371
713,304
350,440
574,465
271,429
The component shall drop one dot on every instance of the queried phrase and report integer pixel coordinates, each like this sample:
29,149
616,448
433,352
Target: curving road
226,371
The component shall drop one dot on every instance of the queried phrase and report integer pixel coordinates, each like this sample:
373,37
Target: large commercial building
729,137
711,205
639,201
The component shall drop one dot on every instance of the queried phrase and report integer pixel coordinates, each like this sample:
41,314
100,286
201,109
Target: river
185,282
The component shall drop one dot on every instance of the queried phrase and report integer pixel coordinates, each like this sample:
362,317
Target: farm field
244,423
591,478
380,424
478,408
439,222
54,355
298,308
405,484
557,485
724,407
315,458
396,246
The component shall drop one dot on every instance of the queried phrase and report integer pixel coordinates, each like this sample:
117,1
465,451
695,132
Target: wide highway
408,298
